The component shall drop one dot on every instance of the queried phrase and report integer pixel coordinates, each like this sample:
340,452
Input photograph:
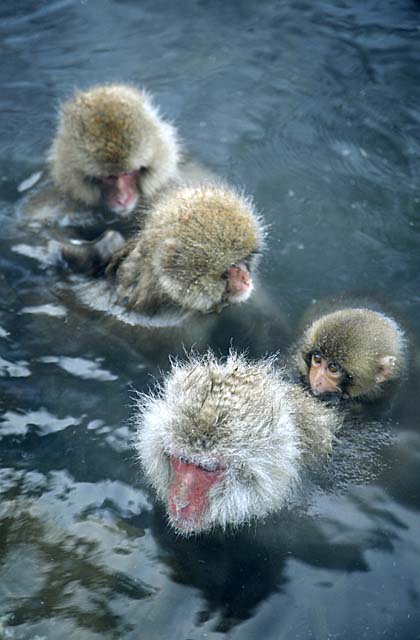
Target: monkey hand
92,257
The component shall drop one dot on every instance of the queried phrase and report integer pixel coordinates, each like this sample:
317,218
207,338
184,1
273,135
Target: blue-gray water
314,108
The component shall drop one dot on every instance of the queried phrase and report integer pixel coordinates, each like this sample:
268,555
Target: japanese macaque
351,353
195,256
223,442
196,252
112,149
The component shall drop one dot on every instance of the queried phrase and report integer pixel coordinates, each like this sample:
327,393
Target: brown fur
108,130
357,340
188,241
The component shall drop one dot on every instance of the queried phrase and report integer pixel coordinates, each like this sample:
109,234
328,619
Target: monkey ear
386,369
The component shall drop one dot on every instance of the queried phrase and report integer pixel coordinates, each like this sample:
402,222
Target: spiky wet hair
106,130
357,340
241,415
188,241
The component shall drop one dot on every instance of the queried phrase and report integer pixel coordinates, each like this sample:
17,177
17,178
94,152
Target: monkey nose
124,199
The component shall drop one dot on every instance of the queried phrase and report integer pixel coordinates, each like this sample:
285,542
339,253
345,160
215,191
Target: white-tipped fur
241,416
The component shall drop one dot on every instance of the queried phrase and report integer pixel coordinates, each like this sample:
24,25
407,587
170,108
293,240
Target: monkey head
222,442
112,147
351,352
197,250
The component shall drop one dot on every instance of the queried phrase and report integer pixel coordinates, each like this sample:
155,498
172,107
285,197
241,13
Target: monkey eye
334,368
113,178
109,179
94,179
211,467
249,259
316,358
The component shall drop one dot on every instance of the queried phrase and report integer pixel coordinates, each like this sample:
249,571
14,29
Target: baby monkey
351,352
224,442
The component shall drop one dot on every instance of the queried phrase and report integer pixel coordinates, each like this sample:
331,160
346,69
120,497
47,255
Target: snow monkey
196,252
224,442
351,352
195,256
112,149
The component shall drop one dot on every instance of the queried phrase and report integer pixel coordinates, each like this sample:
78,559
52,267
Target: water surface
314,109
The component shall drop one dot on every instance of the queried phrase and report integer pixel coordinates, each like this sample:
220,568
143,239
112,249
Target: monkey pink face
324,376
189,493
239,282
121,192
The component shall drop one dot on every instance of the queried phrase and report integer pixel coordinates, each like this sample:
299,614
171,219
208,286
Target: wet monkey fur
196,252
168,288
224,442
196,255
112,146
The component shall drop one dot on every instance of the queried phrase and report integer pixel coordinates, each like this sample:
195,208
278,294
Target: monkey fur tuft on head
223,442
196,252
351,352
111,144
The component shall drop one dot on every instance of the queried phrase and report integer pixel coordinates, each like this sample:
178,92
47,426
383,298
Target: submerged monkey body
223,443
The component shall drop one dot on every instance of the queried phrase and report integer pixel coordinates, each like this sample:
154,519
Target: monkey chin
331,395
123,210
187,526
325,392
235,297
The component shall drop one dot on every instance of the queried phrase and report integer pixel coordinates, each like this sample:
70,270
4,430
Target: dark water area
313,108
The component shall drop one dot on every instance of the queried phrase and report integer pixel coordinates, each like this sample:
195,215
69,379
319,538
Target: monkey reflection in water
224,442
351,353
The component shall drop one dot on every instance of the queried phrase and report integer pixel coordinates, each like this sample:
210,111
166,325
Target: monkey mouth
186,526
321,391
184,518
330,397
188,495
124,209
240,296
